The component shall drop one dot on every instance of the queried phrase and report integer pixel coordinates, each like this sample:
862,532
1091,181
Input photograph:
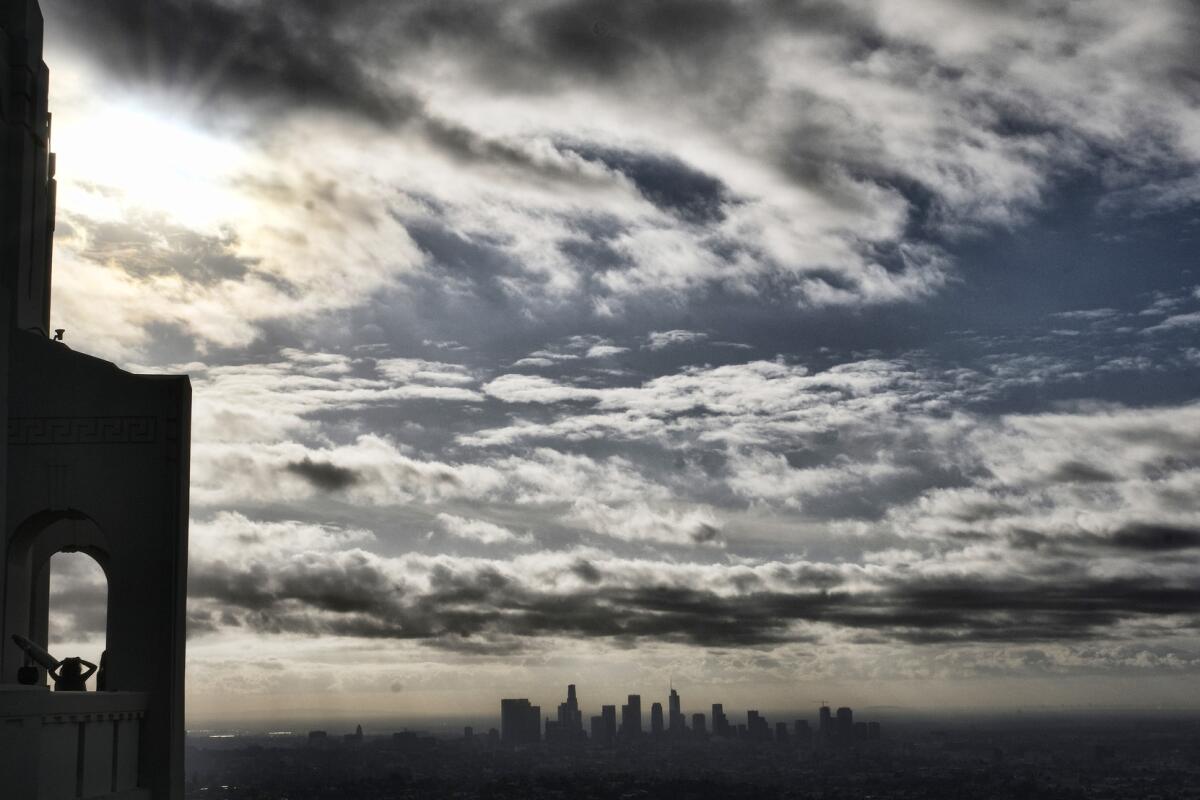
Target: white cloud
659,340
479,530
605,350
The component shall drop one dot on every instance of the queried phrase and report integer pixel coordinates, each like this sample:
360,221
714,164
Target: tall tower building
675,720
609,715
27,186
844,728
757,727
520,721
631,717
720,725
803,732
570,718
656,719
94,460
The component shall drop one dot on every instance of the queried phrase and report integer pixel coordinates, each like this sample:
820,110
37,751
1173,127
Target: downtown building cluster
521,723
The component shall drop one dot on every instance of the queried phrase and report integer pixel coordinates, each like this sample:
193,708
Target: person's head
71,667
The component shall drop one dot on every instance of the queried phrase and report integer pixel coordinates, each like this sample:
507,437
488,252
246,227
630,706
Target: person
70,676
102,675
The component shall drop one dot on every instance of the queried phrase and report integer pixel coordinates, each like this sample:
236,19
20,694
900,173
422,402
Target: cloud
660,340
746,403
78,606
1078,471
1157,538
261,50
480,530
825,156
311,588
605,350
639,522
324,475
416,370
556,182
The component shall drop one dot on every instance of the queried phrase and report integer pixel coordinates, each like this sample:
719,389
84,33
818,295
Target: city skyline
521,723
843,348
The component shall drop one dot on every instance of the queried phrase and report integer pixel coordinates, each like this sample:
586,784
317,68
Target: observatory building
94,460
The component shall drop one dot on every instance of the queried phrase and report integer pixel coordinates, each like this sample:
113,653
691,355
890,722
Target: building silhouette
94,460
698,726
569,724
656,719
825,724
756,727
675,721
720,724
520,722
609,715
802,732
631,717
843,731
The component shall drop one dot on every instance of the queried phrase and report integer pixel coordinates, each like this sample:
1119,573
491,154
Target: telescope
36,652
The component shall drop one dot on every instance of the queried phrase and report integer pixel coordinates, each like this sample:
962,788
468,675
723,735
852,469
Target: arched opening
78,550
77,623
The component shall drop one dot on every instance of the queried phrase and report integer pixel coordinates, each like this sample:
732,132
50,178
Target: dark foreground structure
94,460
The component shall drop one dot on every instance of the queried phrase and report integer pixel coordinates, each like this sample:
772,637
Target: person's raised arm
90,669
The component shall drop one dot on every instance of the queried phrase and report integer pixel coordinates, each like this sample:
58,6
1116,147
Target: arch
27,578
77,610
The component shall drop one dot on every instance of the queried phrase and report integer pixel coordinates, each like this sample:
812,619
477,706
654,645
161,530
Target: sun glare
122,157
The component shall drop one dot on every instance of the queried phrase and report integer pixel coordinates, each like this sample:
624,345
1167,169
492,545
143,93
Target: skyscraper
698,727
675,721
756,727
720,725
609,714
570,718
844,730
656,719
631,717
520,722
825,724
598,732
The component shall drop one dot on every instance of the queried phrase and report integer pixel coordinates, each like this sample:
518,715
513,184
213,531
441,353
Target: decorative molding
82,430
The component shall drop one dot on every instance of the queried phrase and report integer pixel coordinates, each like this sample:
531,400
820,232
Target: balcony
61,745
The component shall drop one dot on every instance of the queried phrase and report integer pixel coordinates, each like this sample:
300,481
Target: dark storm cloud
337,55
78,611
1157,538
323,474
479,261
667,182
290,52
1080,472
466,608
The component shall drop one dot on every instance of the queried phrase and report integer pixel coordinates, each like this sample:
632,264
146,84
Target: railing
63,745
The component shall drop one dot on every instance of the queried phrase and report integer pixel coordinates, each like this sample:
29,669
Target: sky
780,350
